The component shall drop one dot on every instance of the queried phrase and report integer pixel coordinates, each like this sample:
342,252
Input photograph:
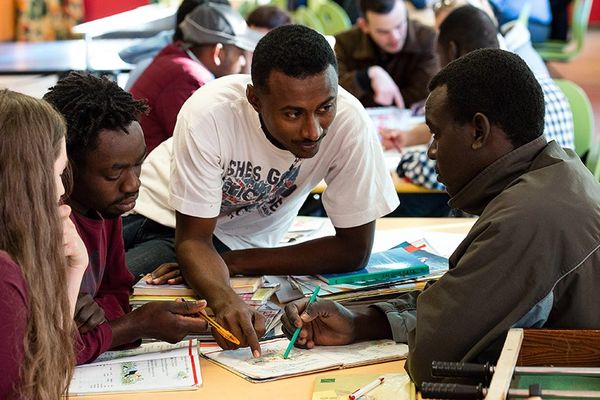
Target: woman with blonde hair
42,259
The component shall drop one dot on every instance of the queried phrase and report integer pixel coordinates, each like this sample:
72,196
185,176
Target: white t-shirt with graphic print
224,166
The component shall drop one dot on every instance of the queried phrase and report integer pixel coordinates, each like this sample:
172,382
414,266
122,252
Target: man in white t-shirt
245,155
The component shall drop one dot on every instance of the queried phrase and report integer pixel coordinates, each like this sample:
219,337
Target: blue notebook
386,265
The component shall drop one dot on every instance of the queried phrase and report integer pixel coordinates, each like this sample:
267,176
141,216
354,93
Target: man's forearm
205,271
330,254
419,134
370,324
126,329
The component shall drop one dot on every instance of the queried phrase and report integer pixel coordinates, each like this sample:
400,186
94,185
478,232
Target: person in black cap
215,39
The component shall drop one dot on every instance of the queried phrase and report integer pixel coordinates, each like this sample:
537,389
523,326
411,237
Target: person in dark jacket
530,260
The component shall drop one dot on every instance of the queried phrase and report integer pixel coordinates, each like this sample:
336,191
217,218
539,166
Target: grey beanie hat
218,23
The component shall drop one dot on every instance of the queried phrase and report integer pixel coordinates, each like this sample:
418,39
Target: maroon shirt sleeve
13,322
112,295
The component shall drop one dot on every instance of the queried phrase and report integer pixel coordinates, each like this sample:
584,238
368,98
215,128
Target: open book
153,366
271,365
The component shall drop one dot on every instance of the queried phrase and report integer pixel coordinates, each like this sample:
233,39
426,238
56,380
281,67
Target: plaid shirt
558,125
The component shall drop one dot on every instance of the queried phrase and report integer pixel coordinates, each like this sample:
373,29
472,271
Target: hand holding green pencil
313,297
327,323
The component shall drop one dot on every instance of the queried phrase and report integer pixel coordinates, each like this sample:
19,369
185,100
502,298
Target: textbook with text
386,265
272,366
156,366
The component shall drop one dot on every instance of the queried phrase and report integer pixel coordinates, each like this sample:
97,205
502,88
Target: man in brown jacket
386,58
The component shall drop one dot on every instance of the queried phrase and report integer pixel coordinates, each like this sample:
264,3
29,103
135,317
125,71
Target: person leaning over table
531,259
247,151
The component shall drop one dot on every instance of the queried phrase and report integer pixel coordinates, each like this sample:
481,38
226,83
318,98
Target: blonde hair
31,133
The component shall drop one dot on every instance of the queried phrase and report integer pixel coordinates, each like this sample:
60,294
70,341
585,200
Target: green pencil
297,331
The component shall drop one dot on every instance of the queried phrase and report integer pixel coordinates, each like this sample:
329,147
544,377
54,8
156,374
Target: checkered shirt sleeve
419,169
558,120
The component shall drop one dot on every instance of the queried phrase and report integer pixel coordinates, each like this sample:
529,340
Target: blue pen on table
286,353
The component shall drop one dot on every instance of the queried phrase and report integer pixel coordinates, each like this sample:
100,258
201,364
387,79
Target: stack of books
254,291
406,267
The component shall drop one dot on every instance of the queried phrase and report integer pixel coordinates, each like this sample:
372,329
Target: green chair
306,16
583,115
556,50
593,159
246,7
332,16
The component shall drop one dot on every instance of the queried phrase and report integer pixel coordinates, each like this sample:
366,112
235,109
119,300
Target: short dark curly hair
269,17
498,84
90,104
469,28
376,6
295,50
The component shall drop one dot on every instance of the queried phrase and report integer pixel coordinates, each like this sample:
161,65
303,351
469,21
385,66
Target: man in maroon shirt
106,147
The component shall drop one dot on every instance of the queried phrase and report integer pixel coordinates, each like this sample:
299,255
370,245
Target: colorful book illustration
272,366
239,284
383,266
394,387
156,366
437,264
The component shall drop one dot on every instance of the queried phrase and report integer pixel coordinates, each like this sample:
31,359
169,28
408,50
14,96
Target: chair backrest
306,16
583,115
332,16
579,22
593,158
246,7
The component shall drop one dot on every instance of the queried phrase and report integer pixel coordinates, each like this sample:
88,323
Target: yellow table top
401,185
218,383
